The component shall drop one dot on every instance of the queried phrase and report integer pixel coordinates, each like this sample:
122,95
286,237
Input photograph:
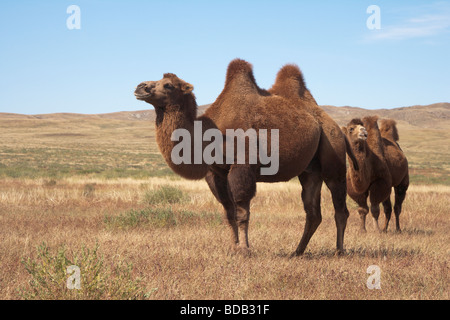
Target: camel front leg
379,192
242,186
387,206
375,210
219,188
363,209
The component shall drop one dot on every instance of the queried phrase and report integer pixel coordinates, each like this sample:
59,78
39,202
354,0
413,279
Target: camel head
355,131
170,90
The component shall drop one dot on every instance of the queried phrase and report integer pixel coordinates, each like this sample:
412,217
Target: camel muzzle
144,90
362,133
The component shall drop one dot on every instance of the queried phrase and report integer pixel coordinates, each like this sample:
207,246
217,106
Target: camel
398,168
382,166
242,104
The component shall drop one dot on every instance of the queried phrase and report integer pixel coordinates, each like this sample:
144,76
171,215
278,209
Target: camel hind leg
311,189
338,189
400,194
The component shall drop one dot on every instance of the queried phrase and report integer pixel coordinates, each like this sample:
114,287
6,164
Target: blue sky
45,67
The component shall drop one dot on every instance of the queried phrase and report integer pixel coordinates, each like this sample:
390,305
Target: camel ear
344,130
187,88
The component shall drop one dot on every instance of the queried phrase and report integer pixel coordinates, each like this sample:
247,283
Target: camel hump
370,121
388,129
290,83
291,72
169,75
356,121
239,67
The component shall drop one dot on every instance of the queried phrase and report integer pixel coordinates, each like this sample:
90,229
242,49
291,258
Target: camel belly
294,155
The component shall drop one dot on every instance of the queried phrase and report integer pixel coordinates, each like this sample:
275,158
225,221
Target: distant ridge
436,116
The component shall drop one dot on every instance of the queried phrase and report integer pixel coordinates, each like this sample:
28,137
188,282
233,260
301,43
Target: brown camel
374,178
398,168
243,105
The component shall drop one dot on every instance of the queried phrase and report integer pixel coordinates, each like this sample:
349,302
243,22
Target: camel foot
295,254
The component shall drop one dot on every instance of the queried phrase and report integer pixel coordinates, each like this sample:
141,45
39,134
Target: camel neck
360,148
174,117
177,113
359,177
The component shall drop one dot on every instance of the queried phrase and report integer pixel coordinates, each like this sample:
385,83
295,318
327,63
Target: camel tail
388,129
350,153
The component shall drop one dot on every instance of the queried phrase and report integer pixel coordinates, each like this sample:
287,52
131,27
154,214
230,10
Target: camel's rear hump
239,67
388,129
289,82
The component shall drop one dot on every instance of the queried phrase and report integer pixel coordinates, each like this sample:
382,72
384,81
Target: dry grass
191,259
91,183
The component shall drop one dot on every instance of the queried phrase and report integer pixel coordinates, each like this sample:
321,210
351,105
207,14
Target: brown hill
433,116
80,140
436,116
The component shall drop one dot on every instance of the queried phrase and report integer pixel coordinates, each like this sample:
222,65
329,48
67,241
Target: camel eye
351,130
168,86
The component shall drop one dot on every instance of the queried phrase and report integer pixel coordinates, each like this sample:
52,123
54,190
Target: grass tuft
160,218
53,278
164,195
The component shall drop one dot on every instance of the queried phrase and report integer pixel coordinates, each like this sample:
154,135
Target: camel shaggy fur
304,144
382,166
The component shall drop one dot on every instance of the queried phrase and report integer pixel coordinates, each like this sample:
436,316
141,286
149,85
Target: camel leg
363,209
400,194
387,206
375,210
242,185
379,191
338,193
220,190
311,188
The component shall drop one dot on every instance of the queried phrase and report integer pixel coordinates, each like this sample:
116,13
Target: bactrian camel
311,145
382,165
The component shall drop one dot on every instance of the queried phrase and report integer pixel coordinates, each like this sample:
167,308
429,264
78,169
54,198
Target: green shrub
49,277
164,195
89,190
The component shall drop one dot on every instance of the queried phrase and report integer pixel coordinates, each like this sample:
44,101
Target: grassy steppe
96,193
